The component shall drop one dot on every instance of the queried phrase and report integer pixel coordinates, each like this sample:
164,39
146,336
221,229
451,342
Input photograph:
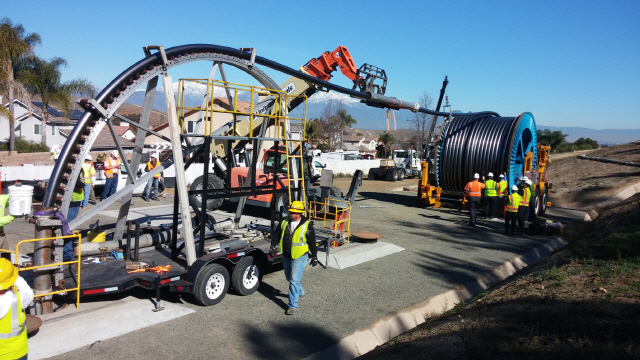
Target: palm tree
43,78
386,139
14,45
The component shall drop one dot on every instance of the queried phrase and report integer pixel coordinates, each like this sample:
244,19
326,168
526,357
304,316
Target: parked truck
403,163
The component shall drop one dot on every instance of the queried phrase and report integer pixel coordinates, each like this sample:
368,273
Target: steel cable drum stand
483,144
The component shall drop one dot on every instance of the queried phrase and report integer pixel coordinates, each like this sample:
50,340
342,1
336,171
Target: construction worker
112,172
295,239
473,192
525,195
491,197
502,192
15,296
513,203
153,182
89,179
4,220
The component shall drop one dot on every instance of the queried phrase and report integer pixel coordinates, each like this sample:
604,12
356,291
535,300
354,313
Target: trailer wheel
372,175
213,183
392,175
400,173
335,191
543,201
246,276
534,205
211,285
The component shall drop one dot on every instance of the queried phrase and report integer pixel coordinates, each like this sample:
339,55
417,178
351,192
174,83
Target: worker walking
473,191
4,220
503,192
112,172
89,179
525,196
15,296
295,239
154,181
491,197
510,216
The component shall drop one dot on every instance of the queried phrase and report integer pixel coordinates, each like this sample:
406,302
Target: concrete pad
59,335
357,253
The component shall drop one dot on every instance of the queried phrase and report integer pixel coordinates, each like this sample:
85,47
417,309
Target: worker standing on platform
15,296
295,239
89,179
503,192
513,203
525,196
491,197
112,172
153,182
4,220
473,191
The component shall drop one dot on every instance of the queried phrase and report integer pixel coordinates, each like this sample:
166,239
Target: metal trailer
204,272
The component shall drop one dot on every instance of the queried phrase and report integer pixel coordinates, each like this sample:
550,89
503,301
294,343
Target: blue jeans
293,270
110,186
67,250
87,194
153,183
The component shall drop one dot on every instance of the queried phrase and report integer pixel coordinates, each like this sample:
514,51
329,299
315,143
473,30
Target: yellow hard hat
8,274
296,207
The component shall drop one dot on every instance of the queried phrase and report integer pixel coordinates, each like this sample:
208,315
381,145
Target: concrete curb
379,332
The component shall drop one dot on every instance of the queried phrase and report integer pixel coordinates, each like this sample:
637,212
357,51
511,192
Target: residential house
363,145
29,127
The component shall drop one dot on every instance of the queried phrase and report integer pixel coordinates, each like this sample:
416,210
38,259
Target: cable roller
483,144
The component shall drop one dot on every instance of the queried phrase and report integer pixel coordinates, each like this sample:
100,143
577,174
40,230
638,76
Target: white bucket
20,199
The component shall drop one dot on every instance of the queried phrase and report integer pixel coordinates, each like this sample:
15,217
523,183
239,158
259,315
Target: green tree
554,139
386,139
586,144
43,78
14,45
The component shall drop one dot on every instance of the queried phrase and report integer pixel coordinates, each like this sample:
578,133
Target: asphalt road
441,252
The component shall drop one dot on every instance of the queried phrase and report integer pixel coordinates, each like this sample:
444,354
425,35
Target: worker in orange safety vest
473,193
112,172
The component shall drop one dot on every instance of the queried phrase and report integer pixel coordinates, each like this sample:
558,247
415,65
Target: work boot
155,198
290,311
145,198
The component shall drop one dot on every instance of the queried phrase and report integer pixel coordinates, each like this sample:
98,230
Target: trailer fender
226,259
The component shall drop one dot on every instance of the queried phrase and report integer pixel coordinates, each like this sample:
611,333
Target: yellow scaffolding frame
331,212
77,289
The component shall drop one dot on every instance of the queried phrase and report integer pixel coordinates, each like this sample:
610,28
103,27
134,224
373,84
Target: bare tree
422,122
333,121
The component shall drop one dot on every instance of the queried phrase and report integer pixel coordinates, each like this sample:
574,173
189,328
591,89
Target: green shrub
25,146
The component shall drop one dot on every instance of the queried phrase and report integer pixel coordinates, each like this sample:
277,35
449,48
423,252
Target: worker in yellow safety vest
473,193
154,181
510,216
15,296
111,172
525,197
89,179
502,193
295,240
491,189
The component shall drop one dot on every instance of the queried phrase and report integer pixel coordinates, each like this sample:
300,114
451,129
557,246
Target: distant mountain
372,118
603,137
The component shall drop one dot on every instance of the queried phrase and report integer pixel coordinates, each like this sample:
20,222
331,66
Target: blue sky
571,63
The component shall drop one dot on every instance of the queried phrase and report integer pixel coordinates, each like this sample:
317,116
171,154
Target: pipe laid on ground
626,163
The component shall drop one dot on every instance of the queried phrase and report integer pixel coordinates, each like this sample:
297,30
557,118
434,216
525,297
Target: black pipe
137,250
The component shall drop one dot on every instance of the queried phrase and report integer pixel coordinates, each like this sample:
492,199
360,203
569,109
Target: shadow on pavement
398,198
287,341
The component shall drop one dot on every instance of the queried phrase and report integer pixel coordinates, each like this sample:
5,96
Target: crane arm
323,66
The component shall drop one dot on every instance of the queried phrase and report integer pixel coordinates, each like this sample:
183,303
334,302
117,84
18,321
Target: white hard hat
514,188
476,176
114,153
153,155
502,176
528,181
490,174
88,157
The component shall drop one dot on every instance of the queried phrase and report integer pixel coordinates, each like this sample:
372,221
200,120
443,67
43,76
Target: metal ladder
295,175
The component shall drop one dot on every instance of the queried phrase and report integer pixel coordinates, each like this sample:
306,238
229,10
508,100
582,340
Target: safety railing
335,215
76,235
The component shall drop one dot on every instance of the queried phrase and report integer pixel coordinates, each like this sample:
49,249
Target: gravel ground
441,252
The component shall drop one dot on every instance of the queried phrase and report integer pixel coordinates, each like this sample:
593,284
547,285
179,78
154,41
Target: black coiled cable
469,145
